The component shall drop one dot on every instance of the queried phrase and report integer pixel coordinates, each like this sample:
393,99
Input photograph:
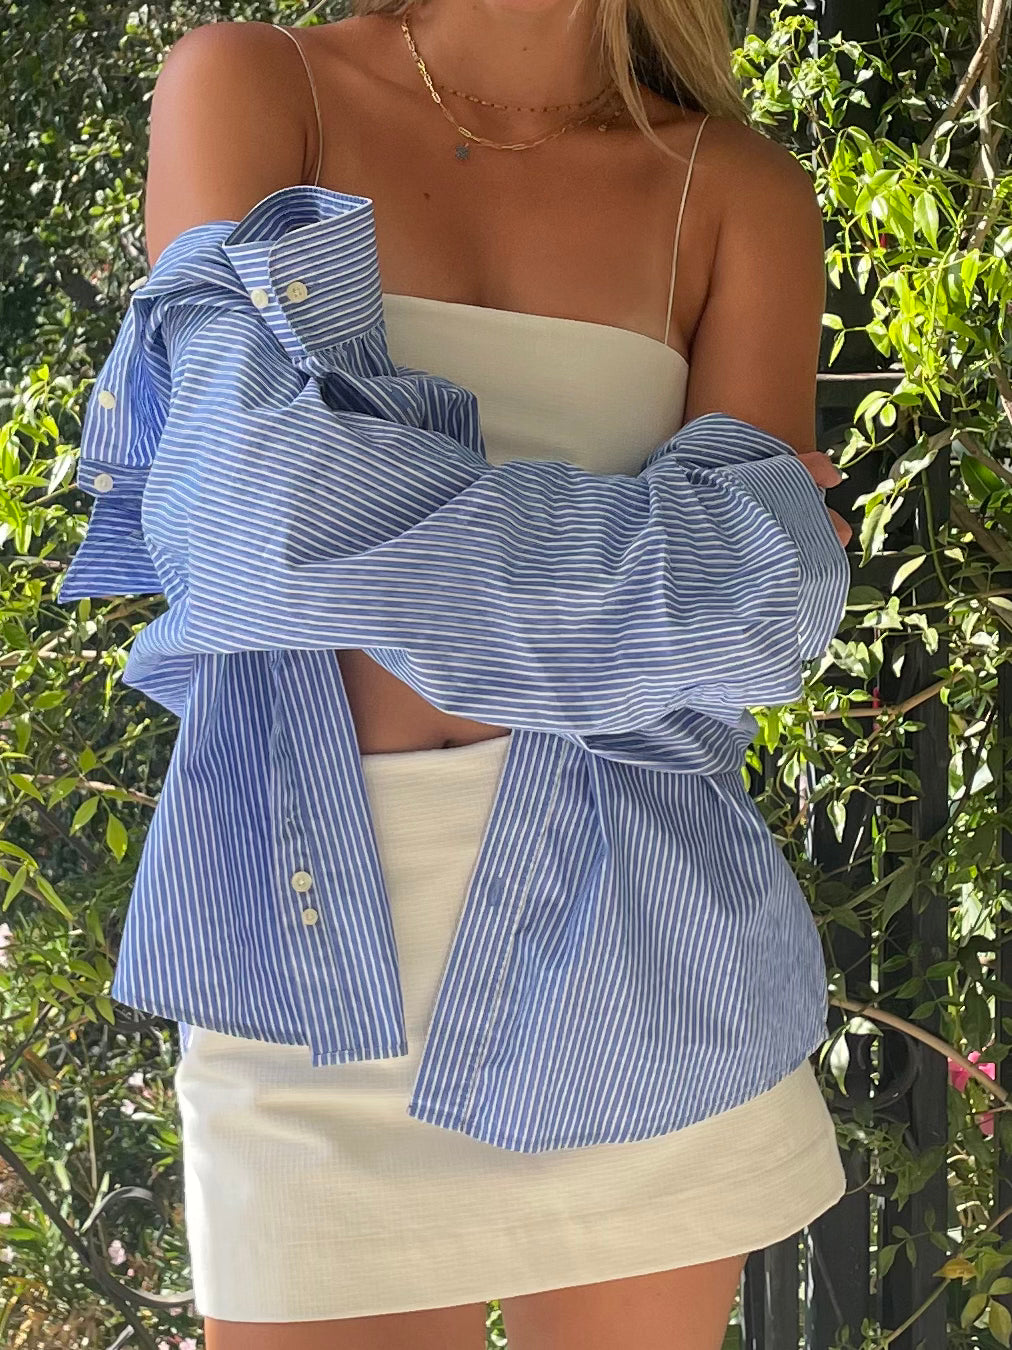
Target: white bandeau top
595,395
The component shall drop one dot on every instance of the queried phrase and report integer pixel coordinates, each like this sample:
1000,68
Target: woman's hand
827,475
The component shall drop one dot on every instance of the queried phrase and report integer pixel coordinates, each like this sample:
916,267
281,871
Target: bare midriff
389,715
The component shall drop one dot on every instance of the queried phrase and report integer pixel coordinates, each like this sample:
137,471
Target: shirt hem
468,1122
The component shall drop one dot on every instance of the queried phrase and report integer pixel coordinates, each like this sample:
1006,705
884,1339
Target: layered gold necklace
463,150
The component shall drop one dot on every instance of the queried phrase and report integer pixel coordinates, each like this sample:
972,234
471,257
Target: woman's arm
755,352
228,127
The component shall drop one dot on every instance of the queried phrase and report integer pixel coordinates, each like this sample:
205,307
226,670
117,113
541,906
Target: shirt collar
307,256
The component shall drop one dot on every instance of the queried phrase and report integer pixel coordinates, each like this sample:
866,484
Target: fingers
821,467
843,531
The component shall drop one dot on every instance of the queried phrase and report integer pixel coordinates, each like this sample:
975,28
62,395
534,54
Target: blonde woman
493,862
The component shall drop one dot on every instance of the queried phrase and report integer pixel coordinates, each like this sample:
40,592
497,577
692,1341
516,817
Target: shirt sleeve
280,510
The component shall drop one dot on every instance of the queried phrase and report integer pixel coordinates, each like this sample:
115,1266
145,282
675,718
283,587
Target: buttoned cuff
785,488
113,558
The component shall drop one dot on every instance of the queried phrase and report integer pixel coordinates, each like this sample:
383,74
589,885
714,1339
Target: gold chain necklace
463,151
517,107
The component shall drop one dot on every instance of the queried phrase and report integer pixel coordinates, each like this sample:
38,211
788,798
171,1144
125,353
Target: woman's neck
531,54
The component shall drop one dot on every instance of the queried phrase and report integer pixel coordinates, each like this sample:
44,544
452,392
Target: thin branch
890,710
976,68
93,785
928,1038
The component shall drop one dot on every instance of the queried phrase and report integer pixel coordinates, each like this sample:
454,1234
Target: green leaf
116,836
979,479
886,1256
49,698
969,271
837,813
84,813
865,595
105,1008
49,893
899,892
63,787
16,884
846,918
873,529
999,1321
972,1309
906,569
26,785
926,217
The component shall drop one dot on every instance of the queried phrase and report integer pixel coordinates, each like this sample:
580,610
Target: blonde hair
678,49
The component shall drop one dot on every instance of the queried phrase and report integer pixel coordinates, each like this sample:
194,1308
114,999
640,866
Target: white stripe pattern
634,953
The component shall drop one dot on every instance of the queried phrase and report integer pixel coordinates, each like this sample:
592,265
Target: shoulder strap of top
678,227
316,100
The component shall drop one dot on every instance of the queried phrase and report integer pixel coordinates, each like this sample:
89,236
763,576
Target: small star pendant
463,152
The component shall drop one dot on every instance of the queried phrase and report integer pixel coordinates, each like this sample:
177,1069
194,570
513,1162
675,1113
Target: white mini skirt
309,1193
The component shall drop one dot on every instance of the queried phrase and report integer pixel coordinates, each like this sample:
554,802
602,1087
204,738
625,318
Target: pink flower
959,1077
5,1217
136,1079
188,1344
117,1252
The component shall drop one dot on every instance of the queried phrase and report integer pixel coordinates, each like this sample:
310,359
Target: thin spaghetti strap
678,227
316,101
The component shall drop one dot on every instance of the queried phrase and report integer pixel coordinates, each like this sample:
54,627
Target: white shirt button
107,398
260,297
103,482
309,917
297,291
302,881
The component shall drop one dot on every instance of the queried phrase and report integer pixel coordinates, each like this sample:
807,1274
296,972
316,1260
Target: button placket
493,1012
301,882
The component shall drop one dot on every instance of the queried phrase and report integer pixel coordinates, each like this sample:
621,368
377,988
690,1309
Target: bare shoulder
228,126
739,165
233,57
757,183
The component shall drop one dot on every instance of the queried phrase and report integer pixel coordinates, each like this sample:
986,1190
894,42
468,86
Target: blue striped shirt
634,953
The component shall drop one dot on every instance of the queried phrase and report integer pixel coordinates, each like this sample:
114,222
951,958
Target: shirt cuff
785,488
113,558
